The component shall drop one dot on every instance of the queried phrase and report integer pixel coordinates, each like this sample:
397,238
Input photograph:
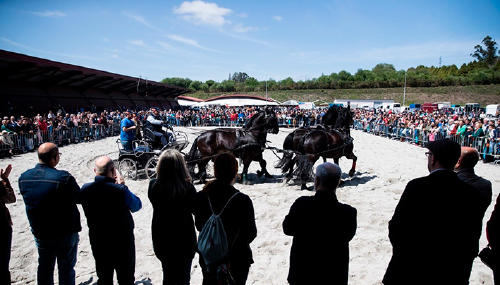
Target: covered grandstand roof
15,67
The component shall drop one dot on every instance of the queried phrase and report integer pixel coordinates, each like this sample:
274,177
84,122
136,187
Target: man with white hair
321,227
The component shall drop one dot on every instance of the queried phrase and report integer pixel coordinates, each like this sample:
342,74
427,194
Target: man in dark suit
465,171
436,226
108,204
321,227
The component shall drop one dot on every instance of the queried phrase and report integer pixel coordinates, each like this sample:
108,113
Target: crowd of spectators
419,127
24,134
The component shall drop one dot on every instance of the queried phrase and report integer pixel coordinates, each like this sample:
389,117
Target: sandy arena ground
384,168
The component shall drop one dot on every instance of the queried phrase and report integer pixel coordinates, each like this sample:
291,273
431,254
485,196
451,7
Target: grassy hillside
483,94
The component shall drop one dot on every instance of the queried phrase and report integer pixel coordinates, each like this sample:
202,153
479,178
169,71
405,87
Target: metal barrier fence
487,148
20,143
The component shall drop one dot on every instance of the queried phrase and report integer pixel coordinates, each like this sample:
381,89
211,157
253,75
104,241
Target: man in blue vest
127,133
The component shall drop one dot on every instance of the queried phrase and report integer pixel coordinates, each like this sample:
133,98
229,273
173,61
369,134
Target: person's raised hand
5,174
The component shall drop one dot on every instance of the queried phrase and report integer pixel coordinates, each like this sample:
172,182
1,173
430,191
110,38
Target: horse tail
285,162
287,157
304,168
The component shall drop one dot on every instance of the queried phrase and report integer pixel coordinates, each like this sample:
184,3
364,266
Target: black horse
294,141
246,143
324,141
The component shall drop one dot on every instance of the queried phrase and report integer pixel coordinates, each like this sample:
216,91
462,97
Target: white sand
384,168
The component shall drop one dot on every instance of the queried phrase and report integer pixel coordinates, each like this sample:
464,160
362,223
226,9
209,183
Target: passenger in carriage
153,128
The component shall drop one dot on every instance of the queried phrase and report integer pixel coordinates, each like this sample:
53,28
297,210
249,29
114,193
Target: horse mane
252,120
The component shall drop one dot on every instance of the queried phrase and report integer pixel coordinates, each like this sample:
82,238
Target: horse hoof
304,187
259,173
351,172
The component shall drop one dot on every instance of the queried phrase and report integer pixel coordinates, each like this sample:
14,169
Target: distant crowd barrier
14,143
489,149
290,122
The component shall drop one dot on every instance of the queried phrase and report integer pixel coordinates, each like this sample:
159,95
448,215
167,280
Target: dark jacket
172,227
493,227
50,196
7,196
435,231
321,228
482,185
108,208
238,218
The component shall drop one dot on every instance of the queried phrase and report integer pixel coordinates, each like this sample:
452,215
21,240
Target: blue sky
205,40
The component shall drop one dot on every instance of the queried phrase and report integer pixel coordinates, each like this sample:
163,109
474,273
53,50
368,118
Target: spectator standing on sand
465,171
108,204
172,196
127,131
50,196
238,219
321,227
493,235
6,197
436,226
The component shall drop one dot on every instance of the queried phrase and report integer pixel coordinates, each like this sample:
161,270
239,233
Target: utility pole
404,91
266,90
440,61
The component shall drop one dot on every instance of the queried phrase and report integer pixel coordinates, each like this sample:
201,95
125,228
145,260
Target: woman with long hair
237,214
174,238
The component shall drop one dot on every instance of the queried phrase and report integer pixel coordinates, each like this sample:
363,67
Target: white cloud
200,12
189,42
138,43
239,28
140,19
277,18
242,15
48,13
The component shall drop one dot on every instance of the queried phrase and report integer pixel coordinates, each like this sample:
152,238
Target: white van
493,110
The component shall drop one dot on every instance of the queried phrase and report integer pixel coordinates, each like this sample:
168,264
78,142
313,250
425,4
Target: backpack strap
210,204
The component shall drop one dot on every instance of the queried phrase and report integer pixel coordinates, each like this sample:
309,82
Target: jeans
63,249
114,254
127,145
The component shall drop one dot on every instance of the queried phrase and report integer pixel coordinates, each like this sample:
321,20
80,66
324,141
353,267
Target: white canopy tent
290,103
240,102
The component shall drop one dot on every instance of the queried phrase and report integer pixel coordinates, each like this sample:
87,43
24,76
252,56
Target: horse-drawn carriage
143,158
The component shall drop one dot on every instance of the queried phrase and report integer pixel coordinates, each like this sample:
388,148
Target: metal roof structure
43,76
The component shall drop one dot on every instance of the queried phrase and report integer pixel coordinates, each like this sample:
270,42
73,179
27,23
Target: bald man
465,171
321,227
108,205
50,196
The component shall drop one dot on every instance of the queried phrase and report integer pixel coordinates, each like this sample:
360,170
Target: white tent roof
240,102
290,103
183,102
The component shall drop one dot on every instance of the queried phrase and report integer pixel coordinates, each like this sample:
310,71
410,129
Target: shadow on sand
359,178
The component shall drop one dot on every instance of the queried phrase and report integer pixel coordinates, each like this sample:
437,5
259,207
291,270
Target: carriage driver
155,123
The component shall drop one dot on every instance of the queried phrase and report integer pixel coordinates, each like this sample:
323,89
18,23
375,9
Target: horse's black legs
354,159
336,160
263,164
202,170
246,164
324,158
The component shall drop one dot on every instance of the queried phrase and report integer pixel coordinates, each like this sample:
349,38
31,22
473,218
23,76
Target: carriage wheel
128,168
150,168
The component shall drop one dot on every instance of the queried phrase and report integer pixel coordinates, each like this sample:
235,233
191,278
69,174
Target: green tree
239,77
488,54
195,85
